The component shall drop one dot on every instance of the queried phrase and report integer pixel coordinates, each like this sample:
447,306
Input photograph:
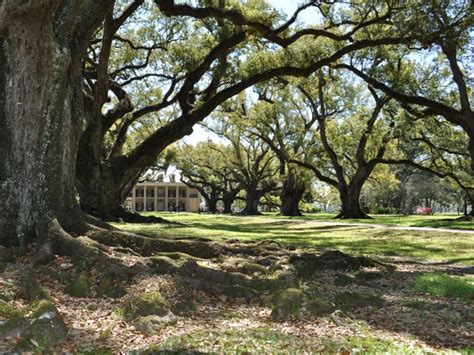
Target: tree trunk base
291,214
250,213
352,216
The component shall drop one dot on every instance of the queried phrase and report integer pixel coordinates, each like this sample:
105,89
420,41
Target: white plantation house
166,194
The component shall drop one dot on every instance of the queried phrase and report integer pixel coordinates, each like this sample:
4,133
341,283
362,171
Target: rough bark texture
251,203
100,187
350,204
227,205
291,196
228,198
41,49
211,204
102,182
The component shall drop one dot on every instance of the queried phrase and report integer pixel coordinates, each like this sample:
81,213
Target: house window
172,178
139,206
139,192
193,195
150,192
150,206
161,178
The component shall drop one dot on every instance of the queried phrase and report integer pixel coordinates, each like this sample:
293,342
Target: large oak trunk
40,116
227,205
211,205
228,199
350,204
291,196
103,181
101,187
251,203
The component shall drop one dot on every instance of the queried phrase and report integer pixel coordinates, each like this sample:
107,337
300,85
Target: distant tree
344,137
206,168
435,77
380,191
253,164
434,146
271,120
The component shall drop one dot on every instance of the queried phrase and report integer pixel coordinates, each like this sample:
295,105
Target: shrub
424,211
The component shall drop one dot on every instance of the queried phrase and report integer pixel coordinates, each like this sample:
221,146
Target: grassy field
450,221
317,231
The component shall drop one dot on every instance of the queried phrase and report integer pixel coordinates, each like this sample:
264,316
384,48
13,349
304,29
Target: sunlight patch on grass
416,244
446,286
450,221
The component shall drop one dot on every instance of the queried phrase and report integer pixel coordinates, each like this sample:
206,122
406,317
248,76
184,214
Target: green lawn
446,286
315,231
450,221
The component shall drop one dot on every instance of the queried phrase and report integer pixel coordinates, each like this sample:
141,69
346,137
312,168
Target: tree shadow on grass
418,245
444,223
439,321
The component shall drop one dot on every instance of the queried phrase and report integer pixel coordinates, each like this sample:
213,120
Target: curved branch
438,108
316,172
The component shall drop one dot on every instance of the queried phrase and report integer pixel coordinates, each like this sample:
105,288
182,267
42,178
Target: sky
287,6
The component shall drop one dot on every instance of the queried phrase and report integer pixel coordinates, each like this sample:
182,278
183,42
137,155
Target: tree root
184,258
147,246
465,218
93,221
248,213
290,214
219,282
122,215
43,327
156,256
307,264
197,247
160,256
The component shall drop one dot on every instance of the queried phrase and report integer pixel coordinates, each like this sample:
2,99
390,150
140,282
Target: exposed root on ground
40,325
147,246
122,215
236,270
105,262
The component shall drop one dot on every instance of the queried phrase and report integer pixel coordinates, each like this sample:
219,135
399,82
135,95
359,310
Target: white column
166,198
133,199
177,198
144,197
